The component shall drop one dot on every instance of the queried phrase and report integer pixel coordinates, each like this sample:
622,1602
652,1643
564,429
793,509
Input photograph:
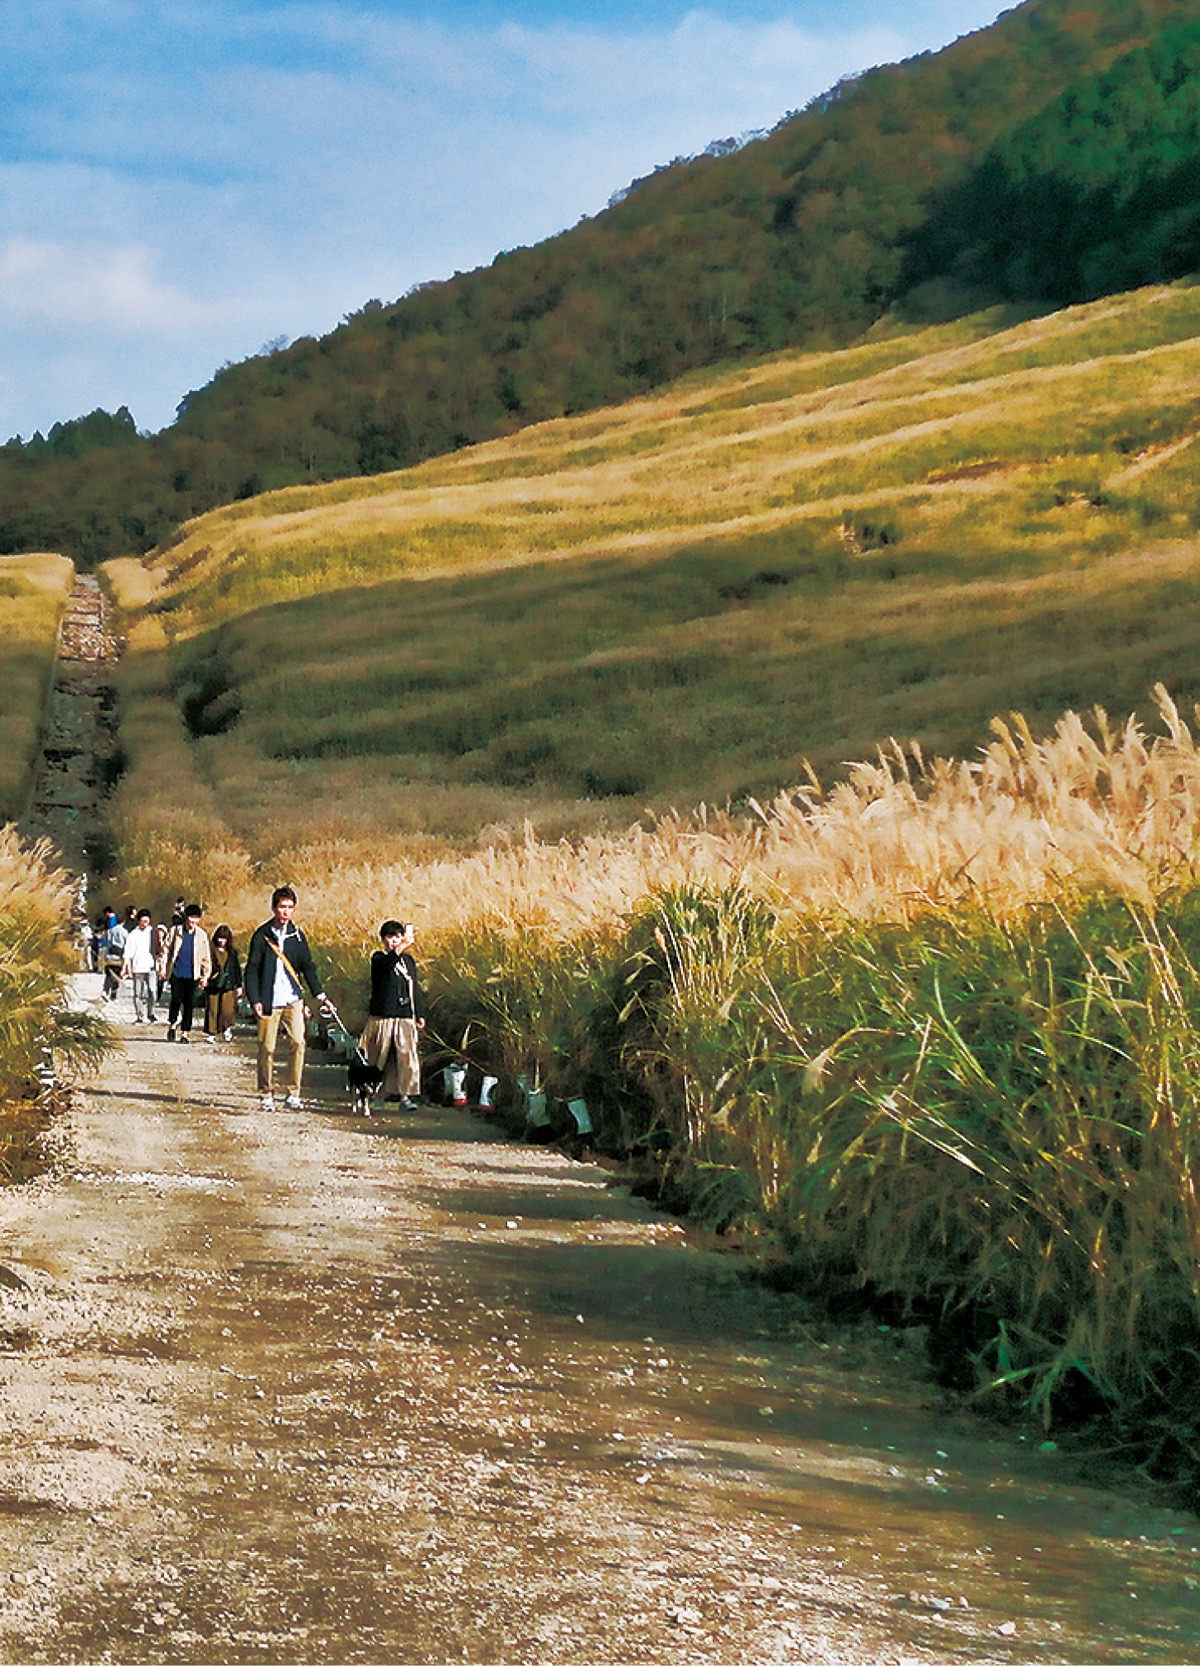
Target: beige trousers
289,1019
391,1046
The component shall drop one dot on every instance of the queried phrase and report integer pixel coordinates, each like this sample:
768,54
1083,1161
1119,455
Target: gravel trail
306,1387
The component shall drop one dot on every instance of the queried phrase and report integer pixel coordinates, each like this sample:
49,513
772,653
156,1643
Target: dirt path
307,1387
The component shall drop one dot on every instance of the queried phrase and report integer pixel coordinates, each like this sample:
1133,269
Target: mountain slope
695,595
802,238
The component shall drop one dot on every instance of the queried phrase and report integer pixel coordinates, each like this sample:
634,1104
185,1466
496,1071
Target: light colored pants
391,1046
143,994
289,1019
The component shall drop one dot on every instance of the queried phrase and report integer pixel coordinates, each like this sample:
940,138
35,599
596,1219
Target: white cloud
69,287
703,63
180,182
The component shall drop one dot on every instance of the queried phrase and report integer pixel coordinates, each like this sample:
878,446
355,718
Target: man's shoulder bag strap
291,970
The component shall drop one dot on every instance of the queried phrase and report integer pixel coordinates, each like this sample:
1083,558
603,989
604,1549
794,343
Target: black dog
363,1080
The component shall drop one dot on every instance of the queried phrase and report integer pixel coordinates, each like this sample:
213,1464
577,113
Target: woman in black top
223,987
397,1015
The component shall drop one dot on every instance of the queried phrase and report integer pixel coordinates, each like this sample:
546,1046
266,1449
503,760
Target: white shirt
139,950
284,991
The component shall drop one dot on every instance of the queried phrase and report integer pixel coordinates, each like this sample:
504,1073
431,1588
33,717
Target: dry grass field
413,686
693,598
38,952
912,1003
33,597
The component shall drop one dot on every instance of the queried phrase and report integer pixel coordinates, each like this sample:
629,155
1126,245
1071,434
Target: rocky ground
80,750
305,1387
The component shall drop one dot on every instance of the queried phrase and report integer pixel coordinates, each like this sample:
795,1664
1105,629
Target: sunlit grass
33,597
755,574
640,467
36,1027
917,1015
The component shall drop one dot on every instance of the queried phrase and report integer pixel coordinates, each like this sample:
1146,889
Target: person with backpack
112,955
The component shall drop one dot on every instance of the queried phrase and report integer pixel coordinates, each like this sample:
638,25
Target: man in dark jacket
277,959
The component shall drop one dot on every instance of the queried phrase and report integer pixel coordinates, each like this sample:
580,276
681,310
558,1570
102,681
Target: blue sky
184,181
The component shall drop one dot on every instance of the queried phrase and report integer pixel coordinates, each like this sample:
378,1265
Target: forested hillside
880,195
1099,192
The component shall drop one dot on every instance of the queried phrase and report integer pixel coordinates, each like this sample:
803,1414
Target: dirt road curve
305,1387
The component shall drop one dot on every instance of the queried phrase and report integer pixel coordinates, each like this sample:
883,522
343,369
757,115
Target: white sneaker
267,1102
293,1102
228,1035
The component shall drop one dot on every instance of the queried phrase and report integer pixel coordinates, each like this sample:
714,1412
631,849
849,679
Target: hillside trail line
79,750
306,1386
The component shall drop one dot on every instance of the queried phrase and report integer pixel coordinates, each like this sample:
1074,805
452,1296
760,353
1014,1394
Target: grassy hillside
1052,156
927,1038
33,597
697,596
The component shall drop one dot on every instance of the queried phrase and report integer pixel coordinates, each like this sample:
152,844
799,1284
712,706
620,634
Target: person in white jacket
138,967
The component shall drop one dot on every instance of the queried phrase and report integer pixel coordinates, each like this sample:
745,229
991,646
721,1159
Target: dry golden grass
163,810
706,462
1092,807
36,955
131,584
33,598
690,598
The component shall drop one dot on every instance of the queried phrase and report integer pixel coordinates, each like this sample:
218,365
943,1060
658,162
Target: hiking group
181,964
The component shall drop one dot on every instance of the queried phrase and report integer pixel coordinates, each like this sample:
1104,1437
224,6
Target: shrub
37,1028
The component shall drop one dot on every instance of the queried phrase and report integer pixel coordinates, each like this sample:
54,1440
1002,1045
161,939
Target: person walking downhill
138,966
396,1016
223,987
276,961
186,965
